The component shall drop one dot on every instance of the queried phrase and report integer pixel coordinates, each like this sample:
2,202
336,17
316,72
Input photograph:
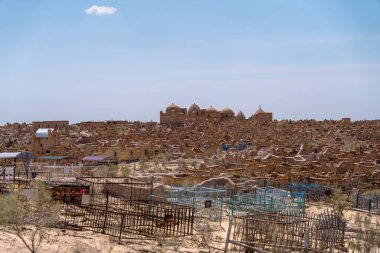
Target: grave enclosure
121,207
207,202
286,232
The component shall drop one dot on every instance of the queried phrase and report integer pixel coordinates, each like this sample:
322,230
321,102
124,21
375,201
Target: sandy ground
88,242
59,240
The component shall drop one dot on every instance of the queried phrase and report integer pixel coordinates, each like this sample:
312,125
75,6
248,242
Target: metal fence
114,190
58,171
368,203
286,232
134,219
267,199
208,202
313,192
121,207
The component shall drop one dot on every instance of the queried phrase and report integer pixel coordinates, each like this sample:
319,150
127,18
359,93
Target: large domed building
211,112
194,109
240,115
227,113
262,117
173,108
259,111
173,115
177,116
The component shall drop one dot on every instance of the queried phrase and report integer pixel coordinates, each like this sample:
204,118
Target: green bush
27,214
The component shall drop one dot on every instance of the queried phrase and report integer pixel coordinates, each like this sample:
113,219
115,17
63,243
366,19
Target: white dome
172,107
211,109
227,110
259,111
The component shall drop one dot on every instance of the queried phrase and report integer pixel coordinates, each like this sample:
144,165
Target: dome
172,107
240,115
194,108
227,110
211,109
259,111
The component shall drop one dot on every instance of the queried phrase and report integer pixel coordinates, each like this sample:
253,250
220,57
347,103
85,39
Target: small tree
28,215
125,171
340,202
367,237
112,170
205,231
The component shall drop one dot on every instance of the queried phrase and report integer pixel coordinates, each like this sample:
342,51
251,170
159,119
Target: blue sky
318,59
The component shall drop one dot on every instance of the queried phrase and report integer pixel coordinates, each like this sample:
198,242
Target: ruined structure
44,139
61,125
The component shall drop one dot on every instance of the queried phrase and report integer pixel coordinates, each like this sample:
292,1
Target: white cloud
100,10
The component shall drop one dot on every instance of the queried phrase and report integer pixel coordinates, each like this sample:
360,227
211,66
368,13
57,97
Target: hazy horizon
128,60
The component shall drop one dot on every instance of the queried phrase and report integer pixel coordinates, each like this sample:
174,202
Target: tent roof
52,157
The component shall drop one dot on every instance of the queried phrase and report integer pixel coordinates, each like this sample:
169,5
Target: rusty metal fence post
105,214
121,226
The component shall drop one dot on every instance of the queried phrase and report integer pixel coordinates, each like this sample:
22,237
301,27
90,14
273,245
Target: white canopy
43,132
15,155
